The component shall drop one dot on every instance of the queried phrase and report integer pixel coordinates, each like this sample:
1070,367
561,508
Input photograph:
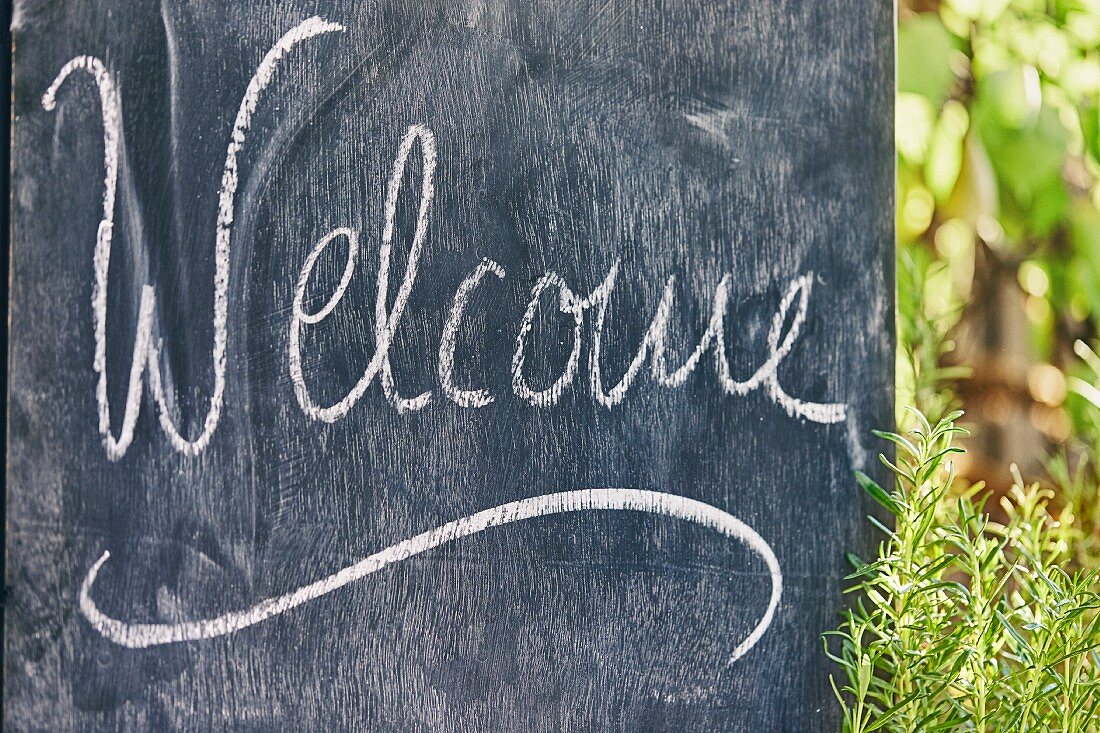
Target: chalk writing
142,635
145,356
653,347
587,312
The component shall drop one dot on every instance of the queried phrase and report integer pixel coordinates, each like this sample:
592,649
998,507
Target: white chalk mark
653,346
713,332
713,337
386,322
111,117
462,397
820,412
654,339
143,635
345,279
146,355
568,304
384,328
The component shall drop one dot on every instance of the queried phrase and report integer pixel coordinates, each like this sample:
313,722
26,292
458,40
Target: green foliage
924,339
963,623
998,139
1076,469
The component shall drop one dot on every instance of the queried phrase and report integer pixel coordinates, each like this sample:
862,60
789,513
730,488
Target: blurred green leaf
1085,237
1013,96
914,120
1090,128
1028,162
925,50
945,151
975,197
1049,207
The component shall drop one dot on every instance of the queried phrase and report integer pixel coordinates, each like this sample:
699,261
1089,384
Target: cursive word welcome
594,305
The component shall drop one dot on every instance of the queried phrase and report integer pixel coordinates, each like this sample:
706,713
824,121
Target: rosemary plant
962,623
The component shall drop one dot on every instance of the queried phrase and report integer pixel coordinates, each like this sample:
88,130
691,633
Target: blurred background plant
998,219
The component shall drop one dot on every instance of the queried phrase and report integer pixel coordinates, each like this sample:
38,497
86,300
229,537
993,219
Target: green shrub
961,622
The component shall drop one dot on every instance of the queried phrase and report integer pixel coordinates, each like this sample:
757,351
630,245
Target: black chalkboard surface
492,365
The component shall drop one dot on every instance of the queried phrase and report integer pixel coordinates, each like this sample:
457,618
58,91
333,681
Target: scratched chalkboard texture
490,365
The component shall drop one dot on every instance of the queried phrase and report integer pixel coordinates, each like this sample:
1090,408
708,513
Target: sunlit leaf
925,50
945,150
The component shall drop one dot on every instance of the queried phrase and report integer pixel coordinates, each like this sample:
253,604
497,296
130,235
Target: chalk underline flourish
144,635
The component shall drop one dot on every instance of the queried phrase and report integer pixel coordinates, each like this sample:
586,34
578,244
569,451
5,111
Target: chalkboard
490,365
